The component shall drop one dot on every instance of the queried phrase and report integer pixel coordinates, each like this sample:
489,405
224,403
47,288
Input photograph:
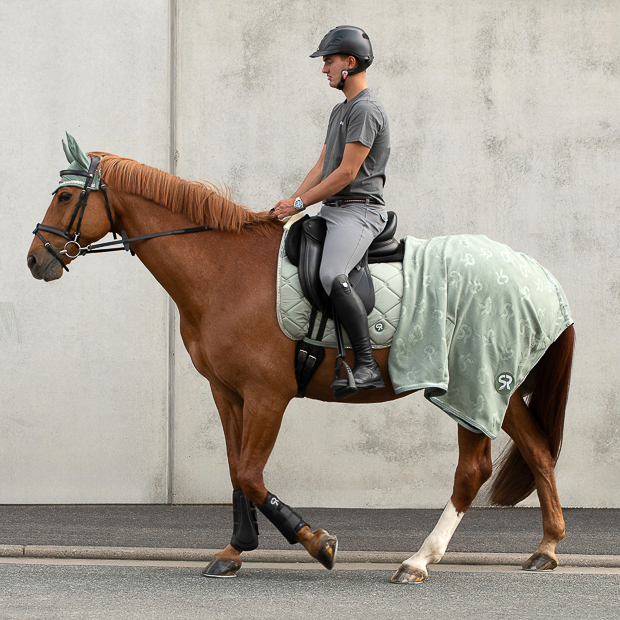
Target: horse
223,283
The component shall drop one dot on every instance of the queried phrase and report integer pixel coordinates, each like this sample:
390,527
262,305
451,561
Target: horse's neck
202,271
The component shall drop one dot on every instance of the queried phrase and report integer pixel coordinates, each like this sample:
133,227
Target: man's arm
313,178
312,191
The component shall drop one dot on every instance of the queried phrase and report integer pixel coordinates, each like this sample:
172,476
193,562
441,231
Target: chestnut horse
223,282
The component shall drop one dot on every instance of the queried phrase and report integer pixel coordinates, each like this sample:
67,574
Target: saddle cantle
304,248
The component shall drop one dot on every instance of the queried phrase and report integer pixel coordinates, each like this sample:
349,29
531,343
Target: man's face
334,65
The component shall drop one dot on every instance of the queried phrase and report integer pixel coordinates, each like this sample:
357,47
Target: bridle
73,239
78,212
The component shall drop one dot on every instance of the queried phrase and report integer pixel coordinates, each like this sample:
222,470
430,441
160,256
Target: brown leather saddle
304,248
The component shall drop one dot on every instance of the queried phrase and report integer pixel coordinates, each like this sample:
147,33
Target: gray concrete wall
84,360
504,122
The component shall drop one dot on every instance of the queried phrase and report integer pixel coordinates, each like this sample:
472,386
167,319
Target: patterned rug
467,319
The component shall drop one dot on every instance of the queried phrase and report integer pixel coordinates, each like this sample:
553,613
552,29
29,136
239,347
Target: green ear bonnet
78,160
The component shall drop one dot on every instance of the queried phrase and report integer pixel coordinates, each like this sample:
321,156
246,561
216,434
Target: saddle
304,248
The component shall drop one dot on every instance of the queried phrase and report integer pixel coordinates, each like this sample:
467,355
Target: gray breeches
350,231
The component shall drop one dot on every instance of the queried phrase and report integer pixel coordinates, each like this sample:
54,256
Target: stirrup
343,388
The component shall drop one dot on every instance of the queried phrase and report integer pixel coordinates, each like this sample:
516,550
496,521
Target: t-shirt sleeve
365,122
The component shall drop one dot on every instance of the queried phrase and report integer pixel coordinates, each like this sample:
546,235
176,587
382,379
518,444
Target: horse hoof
327,550
407,574
221,568
540,562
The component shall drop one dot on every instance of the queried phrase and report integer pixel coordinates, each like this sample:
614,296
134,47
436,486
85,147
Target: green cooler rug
474,319
476,316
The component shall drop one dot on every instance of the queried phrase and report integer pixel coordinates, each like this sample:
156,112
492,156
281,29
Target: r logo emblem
379,327
504,383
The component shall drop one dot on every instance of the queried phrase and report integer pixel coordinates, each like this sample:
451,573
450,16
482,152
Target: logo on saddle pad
504,383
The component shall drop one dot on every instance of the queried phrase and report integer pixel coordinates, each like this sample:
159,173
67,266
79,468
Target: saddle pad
476,317
293,309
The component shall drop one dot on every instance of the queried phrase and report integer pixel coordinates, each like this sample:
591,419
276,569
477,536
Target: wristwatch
299,204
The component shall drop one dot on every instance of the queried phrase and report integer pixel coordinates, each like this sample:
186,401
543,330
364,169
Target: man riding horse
349,178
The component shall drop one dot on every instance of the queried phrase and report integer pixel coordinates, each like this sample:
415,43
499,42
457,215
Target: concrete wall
84,360
504,121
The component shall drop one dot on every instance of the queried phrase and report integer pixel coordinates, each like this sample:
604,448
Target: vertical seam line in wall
172,164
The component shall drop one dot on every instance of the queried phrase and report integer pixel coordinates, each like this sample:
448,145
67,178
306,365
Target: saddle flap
316,229
292,244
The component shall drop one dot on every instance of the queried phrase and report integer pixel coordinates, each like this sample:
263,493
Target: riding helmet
348,40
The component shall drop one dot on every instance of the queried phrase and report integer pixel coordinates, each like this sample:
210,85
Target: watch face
298,204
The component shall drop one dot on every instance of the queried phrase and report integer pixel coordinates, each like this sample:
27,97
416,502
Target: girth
304,248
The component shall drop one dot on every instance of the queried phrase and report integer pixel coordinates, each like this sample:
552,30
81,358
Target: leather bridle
73,239
78,212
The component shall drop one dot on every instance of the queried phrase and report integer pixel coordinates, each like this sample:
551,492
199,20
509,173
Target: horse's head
76,216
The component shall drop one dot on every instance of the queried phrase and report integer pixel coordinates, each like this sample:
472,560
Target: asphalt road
489,530
62,591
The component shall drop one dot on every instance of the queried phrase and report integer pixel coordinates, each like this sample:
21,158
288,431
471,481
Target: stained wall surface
83,360
504,122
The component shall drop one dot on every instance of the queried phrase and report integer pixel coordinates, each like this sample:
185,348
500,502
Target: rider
349,178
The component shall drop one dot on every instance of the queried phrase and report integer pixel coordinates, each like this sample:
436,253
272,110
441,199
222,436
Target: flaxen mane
202,203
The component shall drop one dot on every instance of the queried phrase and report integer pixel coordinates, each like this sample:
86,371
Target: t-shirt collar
356,96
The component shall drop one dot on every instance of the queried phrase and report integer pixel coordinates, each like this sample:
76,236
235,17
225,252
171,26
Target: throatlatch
286,520
245,525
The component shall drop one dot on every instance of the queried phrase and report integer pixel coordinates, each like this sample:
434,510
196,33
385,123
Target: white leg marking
434,547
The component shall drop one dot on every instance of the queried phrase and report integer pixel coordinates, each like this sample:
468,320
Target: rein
80,207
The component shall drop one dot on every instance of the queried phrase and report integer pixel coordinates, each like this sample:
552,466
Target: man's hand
285,208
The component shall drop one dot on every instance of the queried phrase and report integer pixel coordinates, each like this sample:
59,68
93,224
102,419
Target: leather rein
78,212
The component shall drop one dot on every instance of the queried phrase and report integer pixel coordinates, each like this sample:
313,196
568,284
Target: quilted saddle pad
293,309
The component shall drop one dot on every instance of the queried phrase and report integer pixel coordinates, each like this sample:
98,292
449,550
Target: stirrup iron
343,388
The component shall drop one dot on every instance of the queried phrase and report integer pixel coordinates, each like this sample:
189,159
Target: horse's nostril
32,261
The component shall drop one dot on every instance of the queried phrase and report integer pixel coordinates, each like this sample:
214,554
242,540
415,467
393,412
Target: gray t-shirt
363,119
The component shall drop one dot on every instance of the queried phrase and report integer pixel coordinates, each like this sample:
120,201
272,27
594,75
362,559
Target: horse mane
203,203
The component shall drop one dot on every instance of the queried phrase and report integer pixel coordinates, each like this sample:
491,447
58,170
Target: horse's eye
64,197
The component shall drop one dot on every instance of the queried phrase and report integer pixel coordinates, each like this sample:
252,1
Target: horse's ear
76,153
65,148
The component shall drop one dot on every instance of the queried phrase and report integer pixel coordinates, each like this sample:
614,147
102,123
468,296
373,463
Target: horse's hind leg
524,430
473,470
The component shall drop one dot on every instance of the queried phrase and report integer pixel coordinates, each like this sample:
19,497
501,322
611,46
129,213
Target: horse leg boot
319,544
473,470
227,562
352,315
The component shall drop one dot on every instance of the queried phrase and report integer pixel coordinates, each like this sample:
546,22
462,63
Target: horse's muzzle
44,266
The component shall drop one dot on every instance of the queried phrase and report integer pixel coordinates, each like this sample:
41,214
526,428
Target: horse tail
514,481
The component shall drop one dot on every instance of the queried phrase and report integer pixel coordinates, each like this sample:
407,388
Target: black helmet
348,40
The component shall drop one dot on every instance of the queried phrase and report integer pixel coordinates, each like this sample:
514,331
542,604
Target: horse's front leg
261,423
227,562
473,470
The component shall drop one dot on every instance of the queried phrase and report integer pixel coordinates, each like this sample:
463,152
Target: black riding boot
353,318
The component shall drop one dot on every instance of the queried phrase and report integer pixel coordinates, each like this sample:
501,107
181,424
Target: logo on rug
504,383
